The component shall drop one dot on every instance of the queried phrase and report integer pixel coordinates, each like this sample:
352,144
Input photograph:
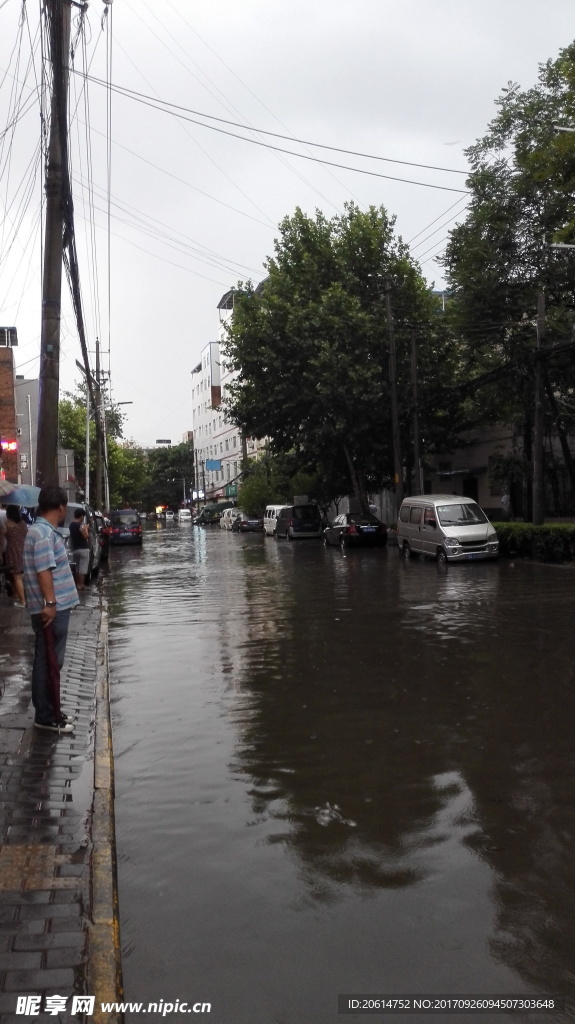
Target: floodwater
340,775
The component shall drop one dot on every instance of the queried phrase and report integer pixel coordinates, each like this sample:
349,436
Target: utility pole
418,489
397,460
98,415
87,481
47,445
538,424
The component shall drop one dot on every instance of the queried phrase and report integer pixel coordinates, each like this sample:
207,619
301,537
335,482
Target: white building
215,438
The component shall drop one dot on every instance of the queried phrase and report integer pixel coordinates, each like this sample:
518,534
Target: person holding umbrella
51,594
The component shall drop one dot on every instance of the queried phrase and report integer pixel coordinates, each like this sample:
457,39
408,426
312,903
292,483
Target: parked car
169,516
356,529
446,527
270,518
244,523
228,516
125,526
184,515
103,527
93,537
299,521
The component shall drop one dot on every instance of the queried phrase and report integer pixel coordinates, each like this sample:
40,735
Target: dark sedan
243,523
356,529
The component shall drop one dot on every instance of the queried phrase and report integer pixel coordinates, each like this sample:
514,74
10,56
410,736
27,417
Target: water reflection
382,744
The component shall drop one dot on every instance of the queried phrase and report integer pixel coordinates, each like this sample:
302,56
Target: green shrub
552,542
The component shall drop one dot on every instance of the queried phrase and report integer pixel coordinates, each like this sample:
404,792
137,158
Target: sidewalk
59,931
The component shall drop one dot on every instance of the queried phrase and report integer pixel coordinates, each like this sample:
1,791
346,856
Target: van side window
429,517
404,513
415,516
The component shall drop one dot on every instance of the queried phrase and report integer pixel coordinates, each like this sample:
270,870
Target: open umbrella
25,496
6,486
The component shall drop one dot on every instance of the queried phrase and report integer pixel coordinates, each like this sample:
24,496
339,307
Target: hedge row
553,542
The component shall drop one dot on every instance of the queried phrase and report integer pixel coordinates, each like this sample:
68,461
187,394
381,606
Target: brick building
8,422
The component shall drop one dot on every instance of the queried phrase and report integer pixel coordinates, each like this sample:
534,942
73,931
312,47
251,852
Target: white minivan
270,518
446,527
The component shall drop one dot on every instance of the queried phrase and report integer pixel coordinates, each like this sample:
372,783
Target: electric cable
231,108
149,102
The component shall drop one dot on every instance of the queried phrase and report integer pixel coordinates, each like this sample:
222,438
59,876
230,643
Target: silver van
270,518
446,527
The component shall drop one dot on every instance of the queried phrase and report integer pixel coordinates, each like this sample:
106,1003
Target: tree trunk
561,432
358,492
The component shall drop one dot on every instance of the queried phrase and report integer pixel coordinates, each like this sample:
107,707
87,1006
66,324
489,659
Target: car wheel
406,551
441,556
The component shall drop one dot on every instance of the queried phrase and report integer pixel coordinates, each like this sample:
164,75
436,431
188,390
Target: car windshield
125,519
468,514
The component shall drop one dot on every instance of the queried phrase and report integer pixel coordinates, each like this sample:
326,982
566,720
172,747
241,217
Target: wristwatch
49,604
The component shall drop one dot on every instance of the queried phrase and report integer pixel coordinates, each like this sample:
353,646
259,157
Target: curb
105,957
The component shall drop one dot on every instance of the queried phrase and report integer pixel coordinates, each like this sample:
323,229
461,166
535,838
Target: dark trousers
41,696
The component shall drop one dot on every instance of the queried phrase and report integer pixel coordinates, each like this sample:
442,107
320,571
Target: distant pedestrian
51,595
80,546
16,531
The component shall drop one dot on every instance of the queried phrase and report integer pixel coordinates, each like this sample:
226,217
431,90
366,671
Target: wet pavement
340,774
46,841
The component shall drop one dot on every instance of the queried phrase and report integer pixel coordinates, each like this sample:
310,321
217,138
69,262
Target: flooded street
340,774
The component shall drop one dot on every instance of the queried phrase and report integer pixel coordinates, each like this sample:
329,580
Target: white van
270,518
227,517
446,527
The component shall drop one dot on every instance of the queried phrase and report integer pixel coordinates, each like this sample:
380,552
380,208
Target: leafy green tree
170,469
310,347
497,260
127,463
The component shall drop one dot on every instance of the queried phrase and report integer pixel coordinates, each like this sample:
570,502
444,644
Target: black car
244,523
125,526
103,526
298,521
356,529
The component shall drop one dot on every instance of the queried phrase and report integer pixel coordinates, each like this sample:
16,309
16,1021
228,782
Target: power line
135,94
149,102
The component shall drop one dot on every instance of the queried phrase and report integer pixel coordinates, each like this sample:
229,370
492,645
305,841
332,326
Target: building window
235,440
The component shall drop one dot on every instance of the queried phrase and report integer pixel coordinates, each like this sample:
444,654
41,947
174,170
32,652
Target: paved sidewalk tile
46,792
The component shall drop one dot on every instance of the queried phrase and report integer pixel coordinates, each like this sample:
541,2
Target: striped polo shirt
44,548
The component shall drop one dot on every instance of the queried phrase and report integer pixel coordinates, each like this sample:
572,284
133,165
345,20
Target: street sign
24,461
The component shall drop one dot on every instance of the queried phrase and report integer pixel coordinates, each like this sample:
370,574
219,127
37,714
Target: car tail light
352,528
290,522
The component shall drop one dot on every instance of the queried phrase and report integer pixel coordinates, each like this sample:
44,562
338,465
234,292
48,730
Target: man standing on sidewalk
51,594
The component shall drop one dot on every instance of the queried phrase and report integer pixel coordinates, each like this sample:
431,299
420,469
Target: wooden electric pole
417,489
538,424
99,439
397,460
47,444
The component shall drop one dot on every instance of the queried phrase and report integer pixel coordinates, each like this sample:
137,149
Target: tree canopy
499,258
310,345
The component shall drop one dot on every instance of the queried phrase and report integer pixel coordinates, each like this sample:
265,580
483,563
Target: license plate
368,529
475,554
124,535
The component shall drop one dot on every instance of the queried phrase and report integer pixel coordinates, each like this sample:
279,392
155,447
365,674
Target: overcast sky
192,210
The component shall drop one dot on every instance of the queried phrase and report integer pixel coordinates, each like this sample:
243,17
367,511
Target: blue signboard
213,464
